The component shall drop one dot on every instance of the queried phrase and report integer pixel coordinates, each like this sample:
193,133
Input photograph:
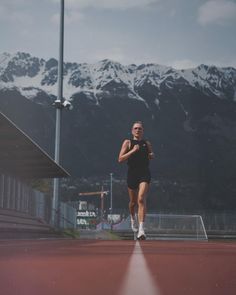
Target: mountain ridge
189,117
31,75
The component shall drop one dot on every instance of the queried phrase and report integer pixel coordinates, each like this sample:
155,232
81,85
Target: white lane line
138,279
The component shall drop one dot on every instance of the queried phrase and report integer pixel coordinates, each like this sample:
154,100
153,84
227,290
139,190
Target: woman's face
137,130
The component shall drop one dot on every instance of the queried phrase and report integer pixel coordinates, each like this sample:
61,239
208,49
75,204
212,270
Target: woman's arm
125,153
150,151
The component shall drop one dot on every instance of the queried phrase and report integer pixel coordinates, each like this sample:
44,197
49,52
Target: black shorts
134,178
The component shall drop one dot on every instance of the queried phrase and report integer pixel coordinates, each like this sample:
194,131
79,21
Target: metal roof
21,156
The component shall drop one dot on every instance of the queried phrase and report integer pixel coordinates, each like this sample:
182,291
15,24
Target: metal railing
18,196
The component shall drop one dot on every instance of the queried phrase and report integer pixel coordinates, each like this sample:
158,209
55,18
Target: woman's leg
142,195
133,199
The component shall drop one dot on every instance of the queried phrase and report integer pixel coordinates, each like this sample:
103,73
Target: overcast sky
177,33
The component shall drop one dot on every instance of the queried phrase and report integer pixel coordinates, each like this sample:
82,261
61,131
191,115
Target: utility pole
111,197
58,104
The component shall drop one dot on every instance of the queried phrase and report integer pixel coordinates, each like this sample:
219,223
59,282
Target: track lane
68,267
184,268
63,267
138,279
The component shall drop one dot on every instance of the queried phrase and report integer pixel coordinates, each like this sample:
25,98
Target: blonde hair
138,122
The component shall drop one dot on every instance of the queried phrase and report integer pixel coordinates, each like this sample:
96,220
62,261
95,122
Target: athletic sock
141,226
134,224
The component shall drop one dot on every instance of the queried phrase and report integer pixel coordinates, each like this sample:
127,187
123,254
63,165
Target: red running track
68,267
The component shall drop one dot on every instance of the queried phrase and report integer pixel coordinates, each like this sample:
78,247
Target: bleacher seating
15,224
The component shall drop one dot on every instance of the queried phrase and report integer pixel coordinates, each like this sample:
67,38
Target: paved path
68,267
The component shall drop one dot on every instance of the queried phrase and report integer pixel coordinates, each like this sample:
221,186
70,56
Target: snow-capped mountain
32,76
181,105
189,116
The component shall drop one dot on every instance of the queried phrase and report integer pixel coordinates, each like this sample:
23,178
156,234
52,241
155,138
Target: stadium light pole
59,105
111,197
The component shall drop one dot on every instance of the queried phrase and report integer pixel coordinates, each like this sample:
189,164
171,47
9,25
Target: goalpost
170,227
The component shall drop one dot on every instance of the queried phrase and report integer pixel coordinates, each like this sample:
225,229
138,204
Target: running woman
137,152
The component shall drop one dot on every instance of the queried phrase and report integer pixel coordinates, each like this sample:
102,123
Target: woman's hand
135,148
150,151
125,153
151,155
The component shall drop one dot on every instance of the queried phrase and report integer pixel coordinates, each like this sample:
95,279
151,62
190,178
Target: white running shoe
141,235
134,226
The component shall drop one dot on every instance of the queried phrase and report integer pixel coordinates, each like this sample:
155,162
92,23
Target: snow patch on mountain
211,79
4,59
31,75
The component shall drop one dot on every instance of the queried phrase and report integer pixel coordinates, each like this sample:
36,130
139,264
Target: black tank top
139,160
